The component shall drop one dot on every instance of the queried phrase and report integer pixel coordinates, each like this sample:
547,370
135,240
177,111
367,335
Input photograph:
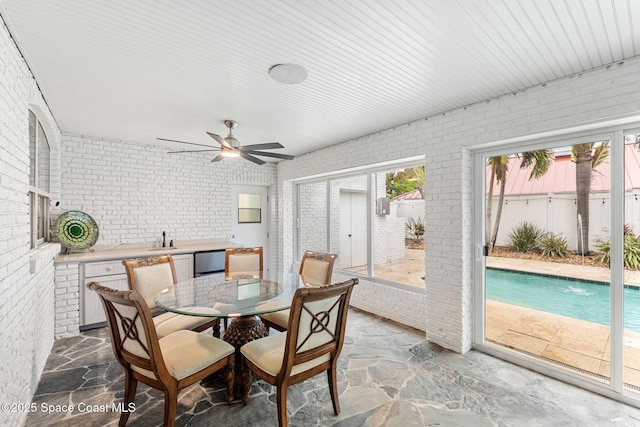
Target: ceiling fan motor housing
231,140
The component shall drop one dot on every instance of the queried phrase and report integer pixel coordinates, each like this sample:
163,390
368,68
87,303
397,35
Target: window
373,221
249,210
39,181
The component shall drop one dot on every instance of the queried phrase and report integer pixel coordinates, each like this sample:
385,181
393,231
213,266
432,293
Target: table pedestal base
240,331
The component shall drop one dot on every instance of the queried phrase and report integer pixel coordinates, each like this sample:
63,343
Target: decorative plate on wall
76,230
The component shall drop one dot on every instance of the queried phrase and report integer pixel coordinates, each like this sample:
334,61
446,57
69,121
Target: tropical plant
498,166
539,161
587,158
415,227
524,237
628,229
553,245
631,251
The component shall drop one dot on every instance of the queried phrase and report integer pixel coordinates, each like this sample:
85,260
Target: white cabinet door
92,310
109,274
184,267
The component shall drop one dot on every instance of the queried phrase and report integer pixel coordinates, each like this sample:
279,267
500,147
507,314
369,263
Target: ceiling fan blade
249,157
267,154
182,142
220,140
193,151
217,158
263,146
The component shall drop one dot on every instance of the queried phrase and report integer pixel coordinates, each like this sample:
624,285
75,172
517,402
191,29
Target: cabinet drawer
106,268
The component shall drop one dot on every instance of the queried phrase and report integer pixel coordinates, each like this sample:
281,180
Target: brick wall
444,140
26,276
135,191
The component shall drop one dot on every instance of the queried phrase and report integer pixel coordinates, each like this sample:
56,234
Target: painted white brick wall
135,191
594,96
26,276
312,206
67,294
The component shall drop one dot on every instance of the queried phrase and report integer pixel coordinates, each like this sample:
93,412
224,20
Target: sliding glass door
558,257
631,260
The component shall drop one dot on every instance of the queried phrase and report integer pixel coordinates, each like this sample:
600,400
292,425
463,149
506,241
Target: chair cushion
152,279
267,353
315,272
244,264
280,318
187,352
168,323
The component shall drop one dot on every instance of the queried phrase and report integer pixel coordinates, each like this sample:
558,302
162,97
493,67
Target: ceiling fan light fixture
229,153
288,73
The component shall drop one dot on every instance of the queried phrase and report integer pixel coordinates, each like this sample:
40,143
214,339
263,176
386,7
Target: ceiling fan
230,147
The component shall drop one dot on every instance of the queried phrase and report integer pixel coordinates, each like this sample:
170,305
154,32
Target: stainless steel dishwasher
208,262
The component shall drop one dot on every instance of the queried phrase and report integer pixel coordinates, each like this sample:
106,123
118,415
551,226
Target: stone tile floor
389,375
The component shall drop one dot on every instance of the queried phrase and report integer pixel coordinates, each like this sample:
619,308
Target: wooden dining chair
148,276
168,364
316,269
243,263
312,344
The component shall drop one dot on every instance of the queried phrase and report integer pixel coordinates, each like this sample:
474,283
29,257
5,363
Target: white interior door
353,229
250,227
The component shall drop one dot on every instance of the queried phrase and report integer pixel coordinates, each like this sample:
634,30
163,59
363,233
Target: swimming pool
567,297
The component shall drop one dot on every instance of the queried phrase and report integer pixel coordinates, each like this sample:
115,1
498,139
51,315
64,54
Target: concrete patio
572,343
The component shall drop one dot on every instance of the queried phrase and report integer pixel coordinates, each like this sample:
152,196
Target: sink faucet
164,242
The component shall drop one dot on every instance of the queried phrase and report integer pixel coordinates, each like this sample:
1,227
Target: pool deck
563,270
578,343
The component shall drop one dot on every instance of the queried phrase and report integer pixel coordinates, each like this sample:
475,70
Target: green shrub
524,237
553,246
631,251
415,227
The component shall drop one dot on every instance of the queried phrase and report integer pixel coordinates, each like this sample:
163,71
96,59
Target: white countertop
137,250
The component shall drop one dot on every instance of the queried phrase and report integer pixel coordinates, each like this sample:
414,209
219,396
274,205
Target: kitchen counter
138,250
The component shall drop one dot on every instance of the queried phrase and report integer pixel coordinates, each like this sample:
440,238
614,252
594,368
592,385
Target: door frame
614,130
265,216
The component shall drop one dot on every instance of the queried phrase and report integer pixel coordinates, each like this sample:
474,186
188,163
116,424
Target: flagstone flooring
389,375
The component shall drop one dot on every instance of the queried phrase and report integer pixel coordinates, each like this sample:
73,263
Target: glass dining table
241,299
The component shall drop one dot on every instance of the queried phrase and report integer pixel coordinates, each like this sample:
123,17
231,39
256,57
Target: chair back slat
317,324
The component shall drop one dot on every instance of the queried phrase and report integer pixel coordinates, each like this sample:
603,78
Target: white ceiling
140,69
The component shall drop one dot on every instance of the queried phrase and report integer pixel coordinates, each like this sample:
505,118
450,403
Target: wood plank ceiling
140,69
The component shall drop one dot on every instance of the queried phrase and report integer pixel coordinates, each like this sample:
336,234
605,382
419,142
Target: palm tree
499,166
538,160
587,157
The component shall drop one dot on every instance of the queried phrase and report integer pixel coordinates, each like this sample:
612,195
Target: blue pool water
571,298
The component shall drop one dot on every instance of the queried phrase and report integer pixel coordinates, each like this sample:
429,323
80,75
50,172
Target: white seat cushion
280,318
187,352
168,323
267,353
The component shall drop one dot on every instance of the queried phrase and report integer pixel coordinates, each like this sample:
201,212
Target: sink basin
170,248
